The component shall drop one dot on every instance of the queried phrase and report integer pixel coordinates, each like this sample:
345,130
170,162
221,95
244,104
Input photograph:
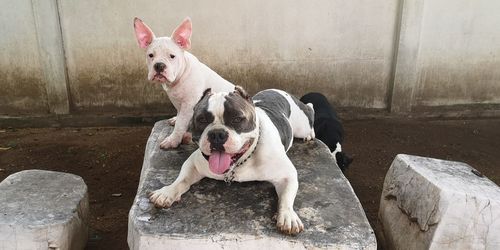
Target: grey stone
214,215
43,210
435,204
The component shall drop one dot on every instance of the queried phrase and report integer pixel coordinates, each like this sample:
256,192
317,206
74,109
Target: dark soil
110,160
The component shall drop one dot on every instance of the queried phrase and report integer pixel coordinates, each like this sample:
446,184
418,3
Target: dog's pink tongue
219,162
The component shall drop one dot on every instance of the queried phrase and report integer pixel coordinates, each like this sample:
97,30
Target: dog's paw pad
288,222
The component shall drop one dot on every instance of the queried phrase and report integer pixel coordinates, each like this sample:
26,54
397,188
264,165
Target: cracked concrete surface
43,210
213,215
435,204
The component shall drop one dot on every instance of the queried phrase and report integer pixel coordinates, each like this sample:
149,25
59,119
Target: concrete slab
434,204
43,210
213,215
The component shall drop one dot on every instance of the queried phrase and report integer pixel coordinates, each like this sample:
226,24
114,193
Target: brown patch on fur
239,112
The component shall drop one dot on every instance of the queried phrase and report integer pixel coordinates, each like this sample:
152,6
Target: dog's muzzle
159,67
217,138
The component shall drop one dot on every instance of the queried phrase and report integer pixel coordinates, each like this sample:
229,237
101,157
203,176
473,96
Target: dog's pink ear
143,33
182,34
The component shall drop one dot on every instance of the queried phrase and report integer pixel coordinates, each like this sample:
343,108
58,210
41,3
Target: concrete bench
43,210
434,204
213,215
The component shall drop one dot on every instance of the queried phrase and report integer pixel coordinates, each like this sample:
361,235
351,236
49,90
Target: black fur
327,126
343,161
201,117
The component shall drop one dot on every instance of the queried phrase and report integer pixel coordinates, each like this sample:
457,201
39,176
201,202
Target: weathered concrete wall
299,48
395,54
22,86
459,53
106,69
448,54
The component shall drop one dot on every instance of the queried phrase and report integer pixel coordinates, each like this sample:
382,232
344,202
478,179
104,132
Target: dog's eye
202,119
237,120
151,55
172,56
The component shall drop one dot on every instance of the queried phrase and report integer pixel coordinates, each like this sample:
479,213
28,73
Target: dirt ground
110,159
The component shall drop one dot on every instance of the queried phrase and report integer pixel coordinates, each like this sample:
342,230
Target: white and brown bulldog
241,139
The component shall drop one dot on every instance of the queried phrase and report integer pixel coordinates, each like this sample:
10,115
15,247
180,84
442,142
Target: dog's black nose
159,67
217,138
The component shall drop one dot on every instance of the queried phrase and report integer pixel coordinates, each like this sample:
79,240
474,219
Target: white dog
181,75
244,140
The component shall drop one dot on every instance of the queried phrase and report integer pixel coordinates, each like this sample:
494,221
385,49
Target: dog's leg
165,196
181,126
287,220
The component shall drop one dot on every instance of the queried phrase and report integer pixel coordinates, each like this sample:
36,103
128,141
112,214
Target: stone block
435,204
43,210
214,215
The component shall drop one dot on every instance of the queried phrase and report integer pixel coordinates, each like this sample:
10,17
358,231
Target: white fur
186,93
338,149
269,162
187,78
235,141
298,120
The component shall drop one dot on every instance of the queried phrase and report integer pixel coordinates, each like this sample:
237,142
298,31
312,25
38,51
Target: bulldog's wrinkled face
165,60
225,126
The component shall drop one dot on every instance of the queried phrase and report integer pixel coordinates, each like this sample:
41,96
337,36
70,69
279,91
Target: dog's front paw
288,222
164,197
170,142
171,121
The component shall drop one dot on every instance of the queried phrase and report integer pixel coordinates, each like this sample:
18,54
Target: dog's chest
179,95
264,163
247,172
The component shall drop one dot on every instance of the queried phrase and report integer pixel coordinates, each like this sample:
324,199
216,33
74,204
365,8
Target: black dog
327,127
